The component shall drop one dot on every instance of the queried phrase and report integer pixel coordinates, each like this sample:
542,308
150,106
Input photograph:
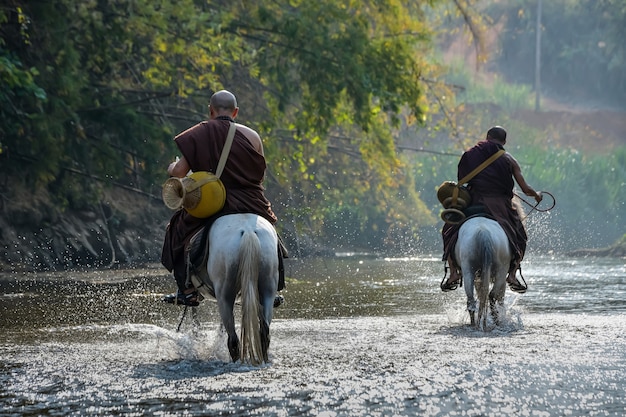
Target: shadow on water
184,369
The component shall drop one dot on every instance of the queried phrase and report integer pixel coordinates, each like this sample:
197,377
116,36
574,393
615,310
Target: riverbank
124,228
617,250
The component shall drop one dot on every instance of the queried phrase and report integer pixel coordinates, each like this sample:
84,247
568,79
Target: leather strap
226,150
475,171
482,166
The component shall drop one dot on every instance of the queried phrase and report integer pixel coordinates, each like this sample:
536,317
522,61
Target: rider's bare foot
453,281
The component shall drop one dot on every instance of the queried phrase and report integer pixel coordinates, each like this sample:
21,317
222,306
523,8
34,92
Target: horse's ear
452,216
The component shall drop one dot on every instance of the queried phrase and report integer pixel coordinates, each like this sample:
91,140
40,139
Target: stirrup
518,286
279,300
446,285
189,300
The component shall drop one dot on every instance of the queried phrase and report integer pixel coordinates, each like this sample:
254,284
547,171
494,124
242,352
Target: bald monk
201,147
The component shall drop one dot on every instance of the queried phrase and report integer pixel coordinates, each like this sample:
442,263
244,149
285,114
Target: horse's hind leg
265,339
264,321
267,307
496,298
494,308
228,320
481,279
496,302
468,283
233,347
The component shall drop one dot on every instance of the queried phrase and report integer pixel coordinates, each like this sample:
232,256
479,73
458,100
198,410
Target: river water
357,335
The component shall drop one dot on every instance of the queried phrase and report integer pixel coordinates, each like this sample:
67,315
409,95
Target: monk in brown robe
243,174
492,190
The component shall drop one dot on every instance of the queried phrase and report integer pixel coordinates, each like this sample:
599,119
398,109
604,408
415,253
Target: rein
194,318
182,318
534,207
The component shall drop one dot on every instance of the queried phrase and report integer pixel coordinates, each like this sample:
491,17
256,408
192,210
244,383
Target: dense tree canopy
93,92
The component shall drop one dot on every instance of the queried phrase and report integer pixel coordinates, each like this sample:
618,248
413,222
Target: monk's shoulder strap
482,166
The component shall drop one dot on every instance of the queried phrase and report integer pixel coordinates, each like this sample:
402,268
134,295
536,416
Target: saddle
196,258
476,210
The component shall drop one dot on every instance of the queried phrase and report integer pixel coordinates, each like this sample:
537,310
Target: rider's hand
538,197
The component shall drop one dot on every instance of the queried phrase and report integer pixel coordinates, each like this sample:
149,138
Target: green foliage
319,56
337,77
84,126
20,96
588,188
589,184
98,89
493,89
582,45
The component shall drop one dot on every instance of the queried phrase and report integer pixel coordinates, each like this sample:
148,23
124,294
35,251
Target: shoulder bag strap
475,171
480,167
226,150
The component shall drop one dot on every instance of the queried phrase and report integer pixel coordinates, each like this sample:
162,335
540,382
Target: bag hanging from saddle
455,197
202,193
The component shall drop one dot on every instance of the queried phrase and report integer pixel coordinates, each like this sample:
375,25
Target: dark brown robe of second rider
491,188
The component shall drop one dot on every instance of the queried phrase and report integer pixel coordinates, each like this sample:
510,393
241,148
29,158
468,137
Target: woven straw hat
452,204
445,196
202,194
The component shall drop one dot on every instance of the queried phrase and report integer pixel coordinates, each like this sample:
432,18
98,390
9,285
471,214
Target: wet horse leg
496,296
468,283
494,308
228,320
265,338
267,291
233,347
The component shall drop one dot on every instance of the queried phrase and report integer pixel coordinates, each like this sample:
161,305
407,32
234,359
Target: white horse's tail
486,248
248,276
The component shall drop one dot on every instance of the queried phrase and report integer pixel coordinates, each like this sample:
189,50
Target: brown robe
243,174
492,188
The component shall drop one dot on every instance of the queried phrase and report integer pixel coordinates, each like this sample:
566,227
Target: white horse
243,261
482,251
